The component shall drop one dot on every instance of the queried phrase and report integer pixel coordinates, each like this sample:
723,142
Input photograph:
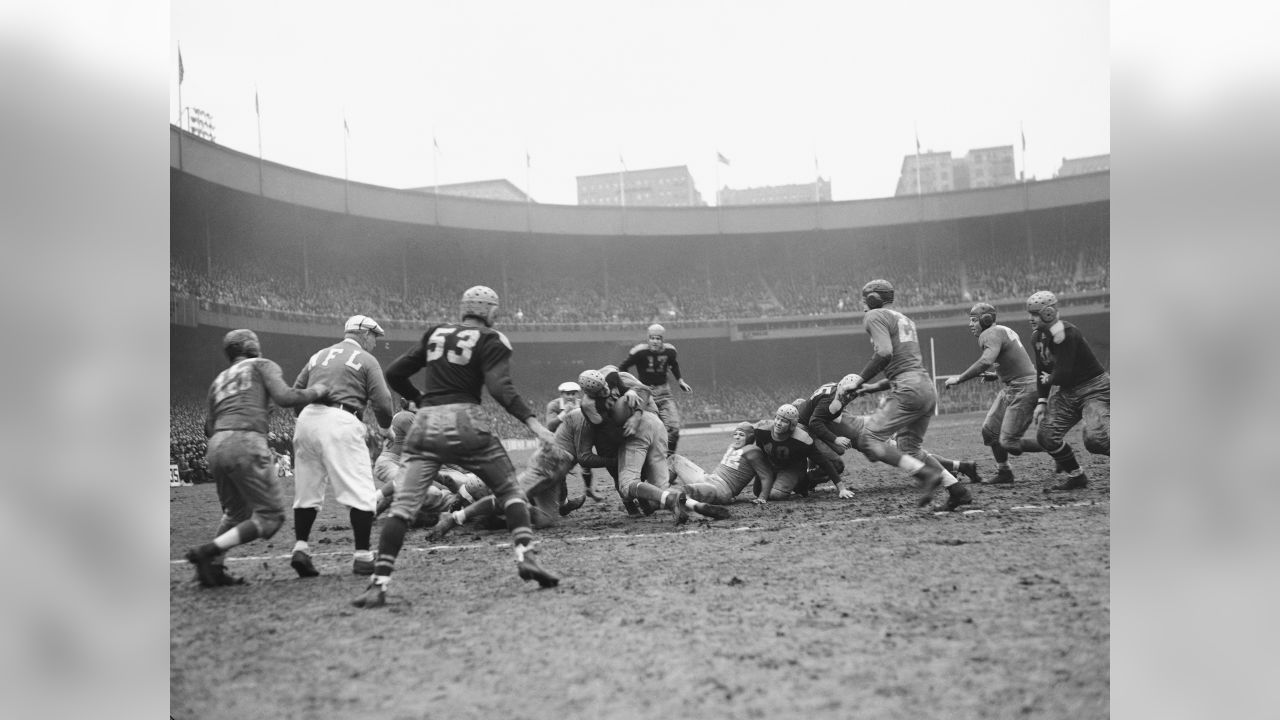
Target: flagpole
180,74
528,191
917,158
257,110
435,173
346,167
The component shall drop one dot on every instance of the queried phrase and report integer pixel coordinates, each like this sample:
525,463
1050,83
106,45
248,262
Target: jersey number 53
464,342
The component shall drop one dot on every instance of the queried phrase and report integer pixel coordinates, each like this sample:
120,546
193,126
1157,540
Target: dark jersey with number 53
460,360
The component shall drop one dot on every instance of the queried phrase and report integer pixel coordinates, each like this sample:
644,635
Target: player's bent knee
989,438
1013,446
268,523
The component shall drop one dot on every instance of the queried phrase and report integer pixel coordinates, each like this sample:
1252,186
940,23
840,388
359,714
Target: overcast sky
772,86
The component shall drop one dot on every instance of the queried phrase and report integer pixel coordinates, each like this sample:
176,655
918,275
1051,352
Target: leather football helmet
480,302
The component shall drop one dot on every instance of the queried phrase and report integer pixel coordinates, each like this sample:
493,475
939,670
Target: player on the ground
543,480
1065,360
653,359
643,471
330,441
460,360
789,448
570,398
1010,413
239,403
910,403
388,469
741,464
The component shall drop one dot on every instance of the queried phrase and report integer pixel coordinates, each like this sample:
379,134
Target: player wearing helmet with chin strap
460,360
911,401
1010,413
789,449
653,359
1065,360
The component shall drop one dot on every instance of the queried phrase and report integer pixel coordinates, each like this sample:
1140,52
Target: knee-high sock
361,527
303,519
389,543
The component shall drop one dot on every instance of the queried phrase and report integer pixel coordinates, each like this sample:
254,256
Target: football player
741,464
570,398
910,403
789,449
653,359
460,360
1010,413
1065,360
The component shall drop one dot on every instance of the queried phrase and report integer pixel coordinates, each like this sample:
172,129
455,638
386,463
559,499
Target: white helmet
656,329
479,302
566,387
593,384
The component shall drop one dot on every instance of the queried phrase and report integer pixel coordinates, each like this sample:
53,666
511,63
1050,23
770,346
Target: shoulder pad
638,348
668,346
503,338
802,435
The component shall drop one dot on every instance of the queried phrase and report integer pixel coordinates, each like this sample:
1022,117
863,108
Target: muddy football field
812,608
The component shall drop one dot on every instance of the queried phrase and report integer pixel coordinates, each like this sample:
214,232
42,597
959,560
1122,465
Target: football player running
1065,360
910,403
1011,412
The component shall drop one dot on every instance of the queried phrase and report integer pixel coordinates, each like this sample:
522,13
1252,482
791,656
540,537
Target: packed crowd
760,280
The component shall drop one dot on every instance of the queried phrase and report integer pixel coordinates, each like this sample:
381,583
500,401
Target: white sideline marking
625,536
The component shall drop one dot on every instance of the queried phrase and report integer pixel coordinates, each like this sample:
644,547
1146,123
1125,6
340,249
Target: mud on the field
815,608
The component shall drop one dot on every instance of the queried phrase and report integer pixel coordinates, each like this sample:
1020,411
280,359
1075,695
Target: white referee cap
363,322
569,387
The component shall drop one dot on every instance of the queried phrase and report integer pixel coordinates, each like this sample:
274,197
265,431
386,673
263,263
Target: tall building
933,169
989,167
939,172
480,189
817,191
662,187
1080,166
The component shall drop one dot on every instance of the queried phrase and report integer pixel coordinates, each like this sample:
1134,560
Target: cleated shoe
970,470
572,505
206,573
1079,482
1004,476
681,512
718,512
374,596
632,507
592,494
442,526
529,569
927,489
301,562
957,495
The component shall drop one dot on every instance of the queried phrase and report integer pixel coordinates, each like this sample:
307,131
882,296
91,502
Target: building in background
655,187
480,189
939,172
1080,166
817,191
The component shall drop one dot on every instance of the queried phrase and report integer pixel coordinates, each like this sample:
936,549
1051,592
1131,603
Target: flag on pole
528,162
917,142
435,143
721,158
256,108
1024,137
344,125
622,161
181,72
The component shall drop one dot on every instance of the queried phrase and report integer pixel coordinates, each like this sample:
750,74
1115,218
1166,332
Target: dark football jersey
460,360
652,367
